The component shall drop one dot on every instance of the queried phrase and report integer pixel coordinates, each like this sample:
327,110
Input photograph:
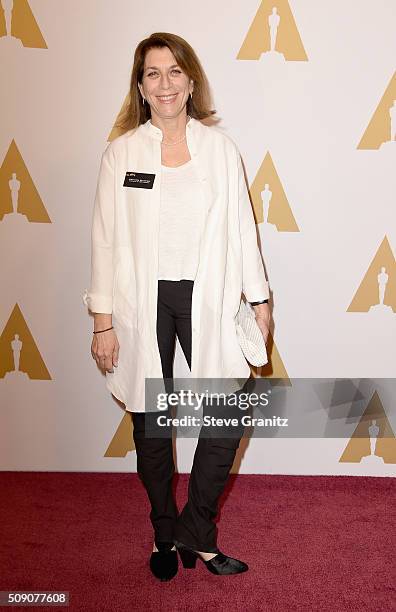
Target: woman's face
165,86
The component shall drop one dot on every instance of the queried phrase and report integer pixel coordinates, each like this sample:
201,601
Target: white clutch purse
249,336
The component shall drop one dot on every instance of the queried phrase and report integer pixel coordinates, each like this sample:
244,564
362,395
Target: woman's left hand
263,317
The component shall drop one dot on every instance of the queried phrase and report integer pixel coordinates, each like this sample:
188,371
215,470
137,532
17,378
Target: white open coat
124,264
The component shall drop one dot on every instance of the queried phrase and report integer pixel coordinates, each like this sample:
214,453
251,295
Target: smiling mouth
167,99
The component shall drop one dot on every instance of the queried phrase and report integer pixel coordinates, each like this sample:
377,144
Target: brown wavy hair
199,106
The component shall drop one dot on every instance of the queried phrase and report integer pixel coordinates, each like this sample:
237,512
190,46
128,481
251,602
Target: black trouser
213,457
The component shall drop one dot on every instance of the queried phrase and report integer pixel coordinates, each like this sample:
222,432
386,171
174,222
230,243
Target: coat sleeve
99,297
254,284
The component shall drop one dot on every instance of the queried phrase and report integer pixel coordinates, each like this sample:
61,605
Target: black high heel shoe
220,565
164,563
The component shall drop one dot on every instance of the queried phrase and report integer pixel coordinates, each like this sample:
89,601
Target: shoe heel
188,558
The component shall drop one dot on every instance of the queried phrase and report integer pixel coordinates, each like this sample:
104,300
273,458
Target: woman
174,245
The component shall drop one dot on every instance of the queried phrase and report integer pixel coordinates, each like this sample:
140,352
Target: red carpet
311,542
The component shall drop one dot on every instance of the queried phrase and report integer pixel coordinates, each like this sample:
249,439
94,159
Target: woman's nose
165,81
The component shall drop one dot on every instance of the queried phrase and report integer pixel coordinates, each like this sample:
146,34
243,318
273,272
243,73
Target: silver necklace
170,144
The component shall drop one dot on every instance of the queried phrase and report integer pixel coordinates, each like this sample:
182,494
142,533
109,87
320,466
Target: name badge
141,180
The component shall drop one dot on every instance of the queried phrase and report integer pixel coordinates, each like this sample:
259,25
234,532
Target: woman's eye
175,70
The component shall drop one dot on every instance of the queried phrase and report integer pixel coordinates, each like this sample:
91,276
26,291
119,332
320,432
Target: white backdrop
312,119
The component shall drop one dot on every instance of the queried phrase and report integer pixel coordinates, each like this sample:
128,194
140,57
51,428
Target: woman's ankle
155,549
205,555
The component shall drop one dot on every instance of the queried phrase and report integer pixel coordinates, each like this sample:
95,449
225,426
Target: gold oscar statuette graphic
18,27
270,204
275,367
381,130
373,441
122,441
19,355
19,197
273,35
376,293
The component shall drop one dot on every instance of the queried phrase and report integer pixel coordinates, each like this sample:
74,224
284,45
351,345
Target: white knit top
181,222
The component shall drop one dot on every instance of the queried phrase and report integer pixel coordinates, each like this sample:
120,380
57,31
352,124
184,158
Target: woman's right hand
105,349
